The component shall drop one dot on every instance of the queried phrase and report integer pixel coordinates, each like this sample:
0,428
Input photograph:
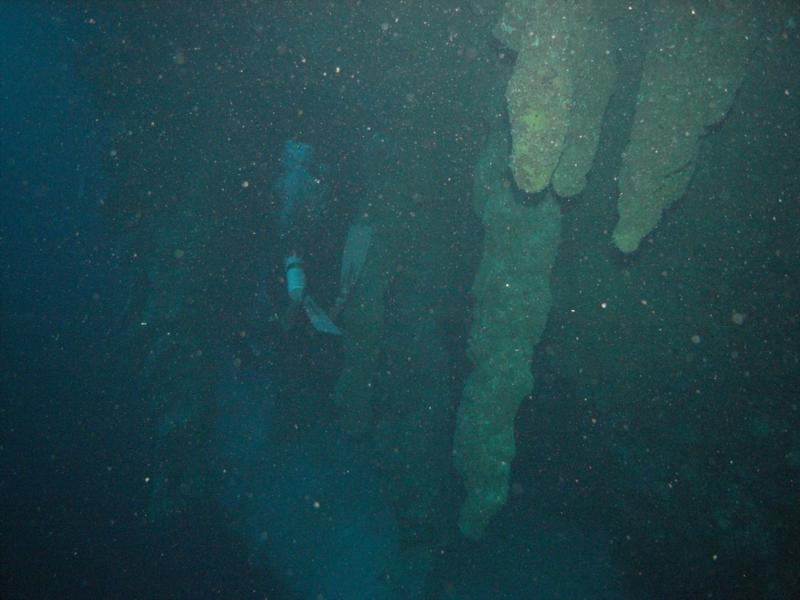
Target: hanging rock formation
694,66
558,92
512,301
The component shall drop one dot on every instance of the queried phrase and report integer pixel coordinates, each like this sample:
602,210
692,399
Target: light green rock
562,80
512,302
538,94
694,65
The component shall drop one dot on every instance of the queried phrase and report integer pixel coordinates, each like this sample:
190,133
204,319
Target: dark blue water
174,426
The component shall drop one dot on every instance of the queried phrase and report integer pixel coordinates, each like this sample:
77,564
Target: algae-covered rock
512,301
539,94
694,65
558,92
594,81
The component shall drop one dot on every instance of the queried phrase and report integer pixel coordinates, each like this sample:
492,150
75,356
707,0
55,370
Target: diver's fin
318,318
354,256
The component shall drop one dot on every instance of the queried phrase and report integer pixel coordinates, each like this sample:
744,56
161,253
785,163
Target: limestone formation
558,92
512,302
693,67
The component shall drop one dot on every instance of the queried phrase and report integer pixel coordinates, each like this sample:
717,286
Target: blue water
174,427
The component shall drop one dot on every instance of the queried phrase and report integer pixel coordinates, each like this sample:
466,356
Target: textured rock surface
694,66
562,80
512,301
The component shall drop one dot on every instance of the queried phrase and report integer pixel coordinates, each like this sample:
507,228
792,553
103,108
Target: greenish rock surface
693,67
512,301
558,92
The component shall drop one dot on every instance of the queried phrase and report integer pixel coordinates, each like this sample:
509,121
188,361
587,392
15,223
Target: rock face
512,301
694,65
558,92
556,98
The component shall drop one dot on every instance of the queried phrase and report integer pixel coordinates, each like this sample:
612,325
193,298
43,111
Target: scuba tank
295,278
296,287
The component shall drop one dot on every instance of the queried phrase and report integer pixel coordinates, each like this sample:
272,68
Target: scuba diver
303,191
353,258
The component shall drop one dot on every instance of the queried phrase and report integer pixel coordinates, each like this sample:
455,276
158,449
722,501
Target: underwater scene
400,299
